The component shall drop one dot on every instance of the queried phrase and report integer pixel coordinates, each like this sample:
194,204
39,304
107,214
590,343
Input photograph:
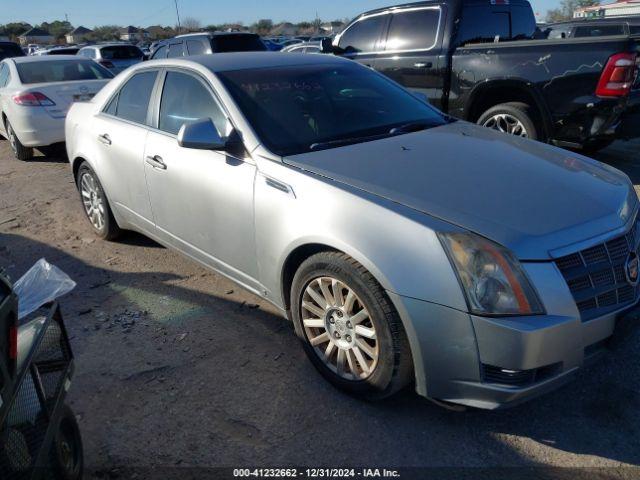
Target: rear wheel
20,151
349,328
95,203
66,452
514,118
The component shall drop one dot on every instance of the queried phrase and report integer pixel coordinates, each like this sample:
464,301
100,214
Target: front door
202,200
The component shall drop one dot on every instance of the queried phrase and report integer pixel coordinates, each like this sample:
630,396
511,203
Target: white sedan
35,96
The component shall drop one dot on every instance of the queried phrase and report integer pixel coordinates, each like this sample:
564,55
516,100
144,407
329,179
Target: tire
382,376
20,151
66,454
95,204
515,118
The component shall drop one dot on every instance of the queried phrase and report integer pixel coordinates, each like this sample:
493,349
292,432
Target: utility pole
177,15
66,18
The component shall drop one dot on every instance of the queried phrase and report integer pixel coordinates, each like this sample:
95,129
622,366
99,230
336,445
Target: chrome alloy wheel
339,328
505,123
92,200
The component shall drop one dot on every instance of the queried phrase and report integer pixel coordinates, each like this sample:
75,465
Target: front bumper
462,358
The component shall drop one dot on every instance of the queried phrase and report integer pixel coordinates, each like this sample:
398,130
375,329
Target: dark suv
209,42
10,49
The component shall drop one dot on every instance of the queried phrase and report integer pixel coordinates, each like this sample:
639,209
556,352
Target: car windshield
61,71
237,43
10,50
121,52
304,108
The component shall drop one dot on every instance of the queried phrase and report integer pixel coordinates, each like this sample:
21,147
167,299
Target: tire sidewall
320,266
85,169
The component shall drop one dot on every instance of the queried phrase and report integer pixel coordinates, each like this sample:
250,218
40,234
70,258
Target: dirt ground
176,366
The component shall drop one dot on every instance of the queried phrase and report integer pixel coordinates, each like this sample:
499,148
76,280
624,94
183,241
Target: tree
567,7
105,32
263,26
15,29
190,24
58,29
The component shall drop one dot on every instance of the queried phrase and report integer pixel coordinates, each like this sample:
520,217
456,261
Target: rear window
61,71
10,50
121,52
237,43
598,31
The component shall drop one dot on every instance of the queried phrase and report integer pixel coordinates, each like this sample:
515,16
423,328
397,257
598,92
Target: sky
152,12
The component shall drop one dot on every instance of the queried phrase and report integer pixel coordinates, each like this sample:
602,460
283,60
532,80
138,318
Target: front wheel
95,203
513,118
349,328
20,151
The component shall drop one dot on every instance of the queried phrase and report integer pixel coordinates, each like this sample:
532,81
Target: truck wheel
20,151
95,203
514,118
66,454
349,329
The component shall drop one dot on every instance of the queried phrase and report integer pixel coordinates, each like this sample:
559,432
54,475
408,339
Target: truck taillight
13,343
33,99
618,76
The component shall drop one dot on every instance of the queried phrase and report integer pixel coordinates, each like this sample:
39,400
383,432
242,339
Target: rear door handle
104,138
156,162
423,65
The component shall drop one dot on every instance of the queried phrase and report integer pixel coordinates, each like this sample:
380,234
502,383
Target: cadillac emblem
632,268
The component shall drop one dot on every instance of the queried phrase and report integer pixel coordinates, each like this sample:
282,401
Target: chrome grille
596,276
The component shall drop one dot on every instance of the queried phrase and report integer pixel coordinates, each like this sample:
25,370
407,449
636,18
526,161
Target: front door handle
104,138
156,162
423,65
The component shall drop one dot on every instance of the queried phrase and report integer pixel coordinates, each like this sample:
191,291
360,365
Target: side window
363,36
175,50
4,75
185,99
133,99
413,30
195,47
482,24
160,52
113,105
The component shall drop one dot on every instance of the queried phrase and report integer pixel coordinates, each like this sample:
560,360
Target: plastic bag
42,283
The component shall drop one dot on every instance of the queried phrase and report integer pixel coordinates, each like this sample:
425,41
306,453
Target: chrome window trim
394,11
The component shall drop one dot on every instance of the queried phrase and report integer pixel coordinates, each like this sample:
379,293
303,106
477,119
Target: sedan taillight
618,76
33,99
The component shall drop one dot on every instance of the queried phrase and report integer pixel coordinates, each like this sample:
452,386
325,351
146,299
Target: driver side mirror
202,135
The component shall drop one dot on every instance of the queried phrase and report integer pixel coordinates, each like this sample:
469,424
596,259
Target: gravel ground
178,366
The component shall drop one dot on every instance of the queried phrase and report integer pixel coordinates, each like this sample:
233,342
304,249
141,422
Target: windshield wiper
412,127
345,141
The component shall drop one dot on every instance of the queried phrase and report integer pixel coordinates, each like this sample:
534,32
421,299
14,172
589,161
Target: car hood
528,196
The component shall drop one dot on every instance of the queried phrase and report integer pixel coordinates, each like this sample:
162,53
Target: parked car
58,51
114,56
205,43
403,244
475,60
593,27
10,49
35,95
272,45
304,47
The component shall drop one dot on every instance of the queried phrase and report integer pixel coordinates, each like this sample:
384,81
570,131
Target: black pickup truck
484,61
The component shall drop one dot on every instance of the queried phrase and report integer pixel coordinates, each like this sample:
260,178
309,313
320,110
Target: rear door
121,130
411,52
361,41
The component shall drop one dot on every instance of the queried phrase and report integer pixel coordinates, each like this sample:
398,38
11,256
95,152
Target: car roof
114,44
46,58
214,34
222,62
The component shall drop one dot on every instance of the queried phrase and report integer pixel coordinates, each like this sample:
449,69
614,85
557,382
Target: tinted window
112,107
133,99
363,36
558,33
634,29
121,52
185,99
160,52
175,50
88,52
482,24
195,47
237,43
523,23
61,71
8,50
413,30
292,109
4,75
598,30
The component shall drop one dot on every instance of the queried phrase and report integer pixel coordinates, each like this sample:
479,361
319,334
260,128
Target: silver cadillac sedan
404,245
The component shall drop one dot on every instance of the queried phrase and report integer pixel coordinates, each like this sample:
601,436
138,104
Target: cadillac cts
404,245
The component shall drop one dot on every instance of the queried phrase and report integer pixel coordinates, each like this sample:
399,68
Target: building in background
35,36
78,34
617,9
133,34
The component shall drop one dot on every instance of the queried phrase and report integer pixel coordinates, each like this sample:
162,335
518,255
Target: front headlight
491,277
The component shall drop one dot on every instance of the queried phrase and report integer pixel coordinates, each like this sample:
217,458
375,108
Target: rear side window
121,52
61,71
523,23
132,102
195,47
185,99
413,30
237,43
363,36
160,52
175,50
598,30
